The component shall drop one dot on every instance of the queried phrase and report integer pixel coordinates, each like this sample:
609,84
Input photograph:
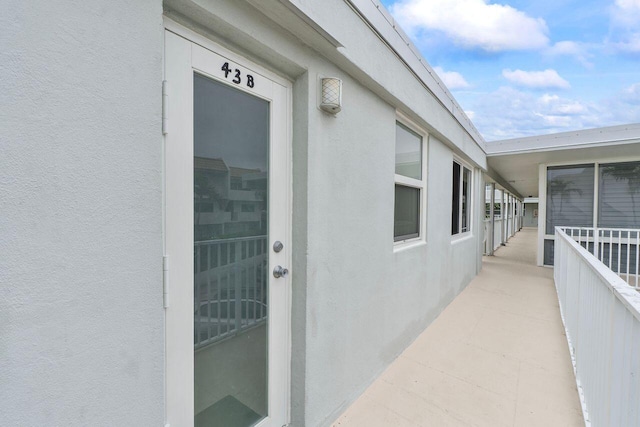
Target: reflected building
229,201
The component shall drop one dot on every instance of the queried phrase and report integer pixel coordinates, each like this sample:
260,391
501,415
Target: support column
505,220
492,222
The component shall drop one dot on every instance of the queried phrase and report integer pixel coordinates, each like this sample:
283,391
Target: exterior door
227,239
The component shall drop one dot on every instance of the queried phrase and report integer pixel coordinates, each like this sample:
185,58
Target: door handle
278,272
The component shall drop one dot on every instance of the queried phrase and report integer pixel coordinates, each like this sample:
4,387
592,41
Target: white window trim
467,234
421,184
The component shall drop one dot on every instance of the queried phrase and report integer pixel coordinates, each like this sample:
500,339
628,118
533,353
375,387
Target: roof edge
594,137
387,29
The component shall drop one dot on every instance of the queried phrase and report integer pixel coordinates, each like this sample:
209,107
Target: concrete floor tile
451,325
413,406
462,400
496,356
544,396
370,413
471,364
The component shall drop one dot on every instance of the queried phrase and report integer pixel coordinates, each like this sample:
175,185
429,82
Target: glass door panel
230,195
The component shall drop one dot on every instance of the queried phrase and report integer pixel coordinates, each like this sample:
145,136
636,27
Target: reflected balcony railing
230,287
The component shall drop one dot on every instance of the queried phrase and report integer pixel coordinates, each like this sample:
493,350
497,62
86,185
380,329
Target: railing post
197,294
491,237
503,224
238,287
637,257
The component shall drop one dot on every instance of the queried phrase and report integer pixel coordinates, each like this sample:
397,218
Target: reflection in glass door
230,194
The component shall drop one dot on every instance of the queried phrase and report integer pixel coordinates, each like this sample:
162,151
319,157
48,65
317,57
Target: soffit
520,168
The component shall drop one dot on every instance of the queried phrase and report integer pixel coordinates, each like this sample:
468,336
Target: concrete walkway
496,356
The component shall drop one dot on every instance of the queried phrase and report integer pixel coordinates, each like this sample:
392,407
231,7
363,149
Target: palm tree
629,172
563,187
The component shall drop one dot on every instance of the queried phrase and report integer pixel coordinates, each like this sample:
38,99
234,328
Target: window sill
404,245
457,238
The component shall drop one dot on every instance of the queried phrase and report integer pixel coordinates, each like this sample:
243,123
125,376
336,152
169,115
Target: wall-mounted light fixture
331,95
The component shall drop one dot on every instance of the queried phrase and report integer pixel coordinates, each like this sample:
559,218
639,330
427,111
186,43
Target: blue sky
521,68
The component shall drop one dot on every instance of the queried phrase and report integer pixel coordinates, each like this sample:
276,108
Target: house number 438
236,75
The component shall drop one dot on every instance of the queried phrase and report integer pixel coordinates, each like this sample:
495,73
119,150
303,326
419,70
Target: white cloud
452,79
548,99
633,91
629,44
625,26
473,24
511,113
555,105
579,51
626,13
536,79
554,120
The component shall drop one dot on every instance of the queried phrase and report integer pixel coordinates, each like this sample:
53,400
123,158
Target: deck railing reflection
230,287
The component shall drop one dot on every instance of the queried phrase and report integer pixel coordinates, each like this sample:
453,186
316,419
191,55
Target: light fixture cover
331,95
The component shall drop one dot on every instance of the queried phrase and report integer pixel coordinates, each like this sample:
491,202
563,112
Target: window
619,201
409,184
461,200
569,196
570,201
497,207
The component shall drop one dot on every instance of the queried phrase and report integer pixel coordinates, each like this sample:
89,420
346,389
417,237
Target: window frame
420,184
542,203
600,193
463,165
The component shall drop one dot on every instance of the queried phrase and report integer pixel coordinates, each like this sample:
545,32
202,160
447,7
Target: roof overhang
517,161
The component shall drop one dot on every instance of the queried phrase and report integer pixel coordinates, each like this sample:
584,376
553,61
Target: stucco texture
367,300
81,317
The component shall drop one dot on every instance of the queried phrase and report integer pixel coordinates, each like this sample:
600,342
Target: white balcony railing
497,234
601,315
230,287
617,248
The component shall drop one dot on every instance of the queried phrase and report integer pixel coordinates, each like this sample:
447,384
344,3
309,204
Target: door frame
180,43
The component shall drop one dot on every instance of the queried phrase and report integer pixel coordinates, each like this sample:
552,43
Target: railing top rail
618,229
625,293
598,228
230,240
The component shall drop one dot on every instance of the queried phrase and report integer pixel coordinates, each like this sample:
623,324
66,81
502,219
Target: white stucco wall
365,300
357,303
81,323
81,319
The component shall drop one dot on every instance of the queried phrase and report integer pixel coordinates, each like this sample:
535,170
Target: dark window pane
230,282
408,152
466,199
407,213
569,196
619,202
455,201
548,252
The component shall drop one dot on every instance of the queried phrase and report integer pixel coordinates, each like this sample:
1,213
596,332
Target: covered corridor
496,356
